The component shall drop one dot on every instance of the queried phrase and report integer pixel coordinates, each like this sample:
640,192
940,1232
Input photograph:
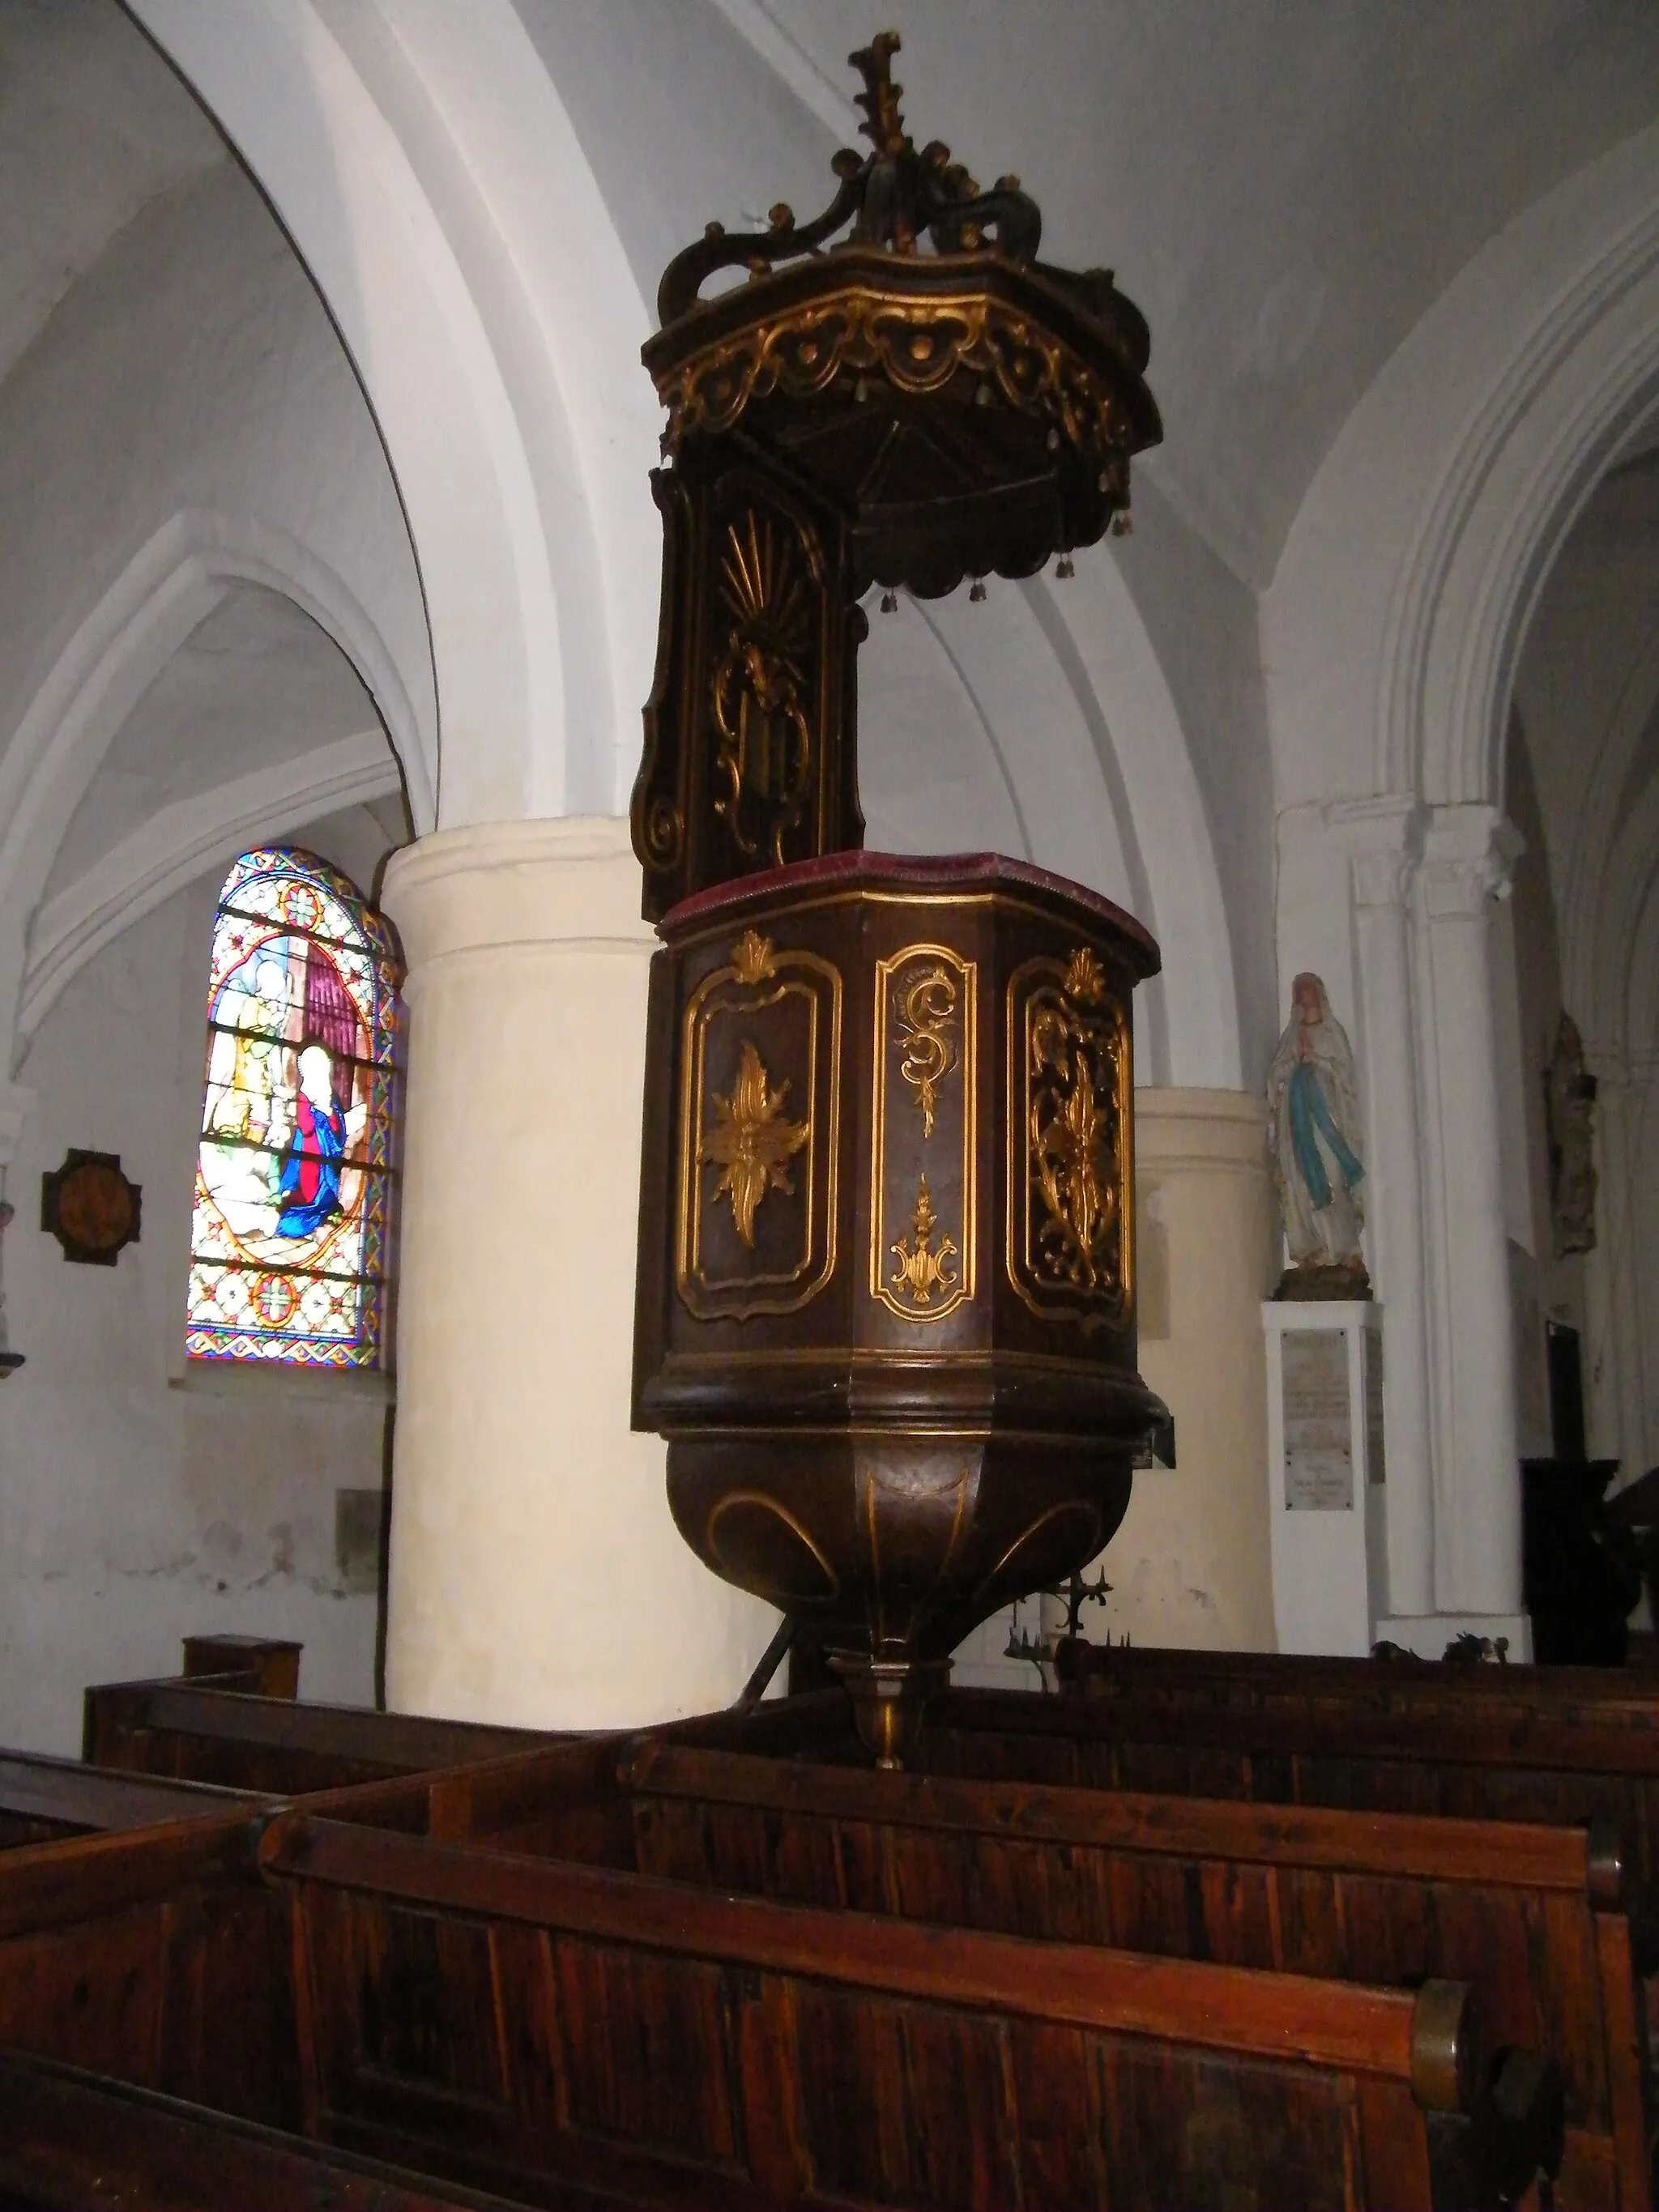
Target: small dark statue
1581,1565
1570,1117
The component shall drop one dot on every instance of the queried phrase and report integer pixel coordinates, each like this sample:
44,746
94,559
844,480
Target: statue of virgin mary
1313,1134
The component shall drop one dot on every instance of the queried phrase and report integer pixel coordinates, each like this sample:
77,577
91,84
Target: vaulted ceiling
1285,186
1282,185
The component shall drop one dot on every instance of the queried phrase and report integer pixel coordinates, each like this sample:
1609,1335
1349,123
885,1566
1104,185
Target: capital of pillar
500,889
1469,852
536,1574
1383,837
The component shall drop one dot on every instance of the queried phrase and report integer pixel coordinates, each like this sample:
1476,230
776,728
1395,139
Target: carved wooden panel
758,1133
1070,1120
749,733
924,1230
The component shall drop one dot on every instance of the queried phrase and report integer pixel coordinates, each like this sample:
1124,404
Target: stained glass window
291,1233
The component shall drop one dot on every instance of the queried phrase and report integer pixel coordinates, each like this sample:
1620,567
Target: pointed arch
413,156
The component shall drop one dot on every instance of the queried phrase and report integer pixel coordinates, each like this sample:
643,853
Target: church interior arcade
838,1034
326,451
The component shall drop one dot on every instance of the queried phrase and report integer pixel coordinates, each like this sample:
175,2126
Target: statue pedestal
1325,1469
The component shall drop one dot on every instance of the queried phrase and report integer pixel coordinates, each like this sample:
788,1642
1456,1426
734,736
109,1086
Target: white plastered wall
135,1507
183,424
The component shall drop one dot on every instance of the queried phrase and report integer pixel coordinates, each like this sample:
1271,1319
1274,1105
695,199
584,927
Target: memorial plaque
1318,1432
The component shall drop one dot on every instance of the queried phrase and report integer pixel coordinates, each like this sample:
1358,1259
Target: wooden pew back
74,2139
156,1957
506,2019
202,1732
1603,1695
1498,1766
1531,1915
43,1799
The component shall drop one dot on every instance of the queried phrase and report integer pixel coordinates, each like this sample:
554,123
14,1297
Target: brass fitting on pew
1445,2047
1611,1888
1604,1867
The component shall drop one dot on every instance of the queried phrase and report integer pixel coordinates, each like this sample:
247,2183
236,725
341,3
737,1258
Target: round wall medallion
90,1208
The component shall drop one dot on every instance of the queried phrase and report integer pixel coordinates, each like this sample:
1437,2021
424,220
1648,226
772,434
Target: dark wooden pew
217,1730
1499,1765
1530,1916
43,1799
509,2022
156,1957
205,1732
72,2140
1603,1695
266,1665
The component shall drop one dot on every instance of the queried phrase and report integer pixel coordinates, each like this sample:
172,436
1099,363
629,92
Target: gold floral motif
753,958
1071,1133
765,752
792,1017
749,1144
923,1271
926,1011
1085,979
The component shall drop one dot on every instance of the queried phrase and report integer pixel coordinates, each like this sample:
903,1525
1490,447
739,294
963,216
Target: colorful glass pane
290,1235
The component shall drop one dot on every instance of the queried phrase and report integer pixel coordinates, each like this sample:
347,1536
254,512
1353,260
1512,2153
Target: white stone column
1192,1562
1599,1349
536,1575
1468,852
1384,836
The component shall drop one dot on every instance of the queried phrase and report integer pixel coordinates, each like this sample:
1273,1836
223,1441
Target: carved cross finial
883,124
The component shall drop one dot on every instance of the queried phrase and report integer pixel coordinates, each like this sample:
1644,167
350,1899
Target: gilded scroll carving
926,1009
1069,1136
923,1169
918,345
760,685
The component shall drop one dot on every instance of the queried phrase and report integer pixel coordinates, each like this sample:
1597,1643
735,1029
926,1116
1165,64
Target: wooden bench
267,1666
43,1799
156,1957
1498,1765
1604,1695
1530,1916
204,1732
72,2140
216,1730
511,2021
641,2038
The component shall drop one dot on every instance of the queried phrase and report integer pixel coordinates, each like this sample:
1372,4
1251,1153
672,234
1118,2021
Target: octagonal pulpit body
886,1282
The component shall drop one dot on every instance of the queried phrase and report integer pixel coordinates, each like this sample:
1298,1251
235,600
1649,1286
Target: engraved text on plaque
1318,1430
